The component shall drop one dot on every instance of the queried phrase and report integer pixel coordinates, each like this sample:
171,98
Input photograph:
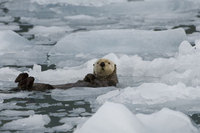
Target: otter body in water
104,75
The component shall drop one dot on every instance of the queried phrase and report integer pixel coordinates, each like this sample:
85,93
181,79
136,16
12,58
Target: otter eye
108,62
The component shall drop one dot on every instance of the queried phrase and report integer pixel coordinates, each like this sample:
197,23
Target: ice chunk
15,95
11,41
8,74
46,35
116,118
13,113
16,50
63,128
167,121
152,93
121,41
32,123
112,118
69,123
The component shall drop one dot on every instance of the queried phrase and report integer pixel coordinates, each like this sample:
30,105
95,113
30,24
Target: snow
32,123
116,118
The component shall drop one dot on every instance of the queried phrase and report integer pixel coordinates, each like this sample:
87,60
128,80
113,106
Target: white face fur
103,67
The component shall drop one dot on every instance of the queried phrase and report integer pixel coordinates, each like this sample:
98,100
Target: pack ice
116,118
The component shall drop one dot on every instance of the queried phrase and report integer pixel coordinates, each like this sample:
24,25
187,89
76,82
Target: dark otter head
104,68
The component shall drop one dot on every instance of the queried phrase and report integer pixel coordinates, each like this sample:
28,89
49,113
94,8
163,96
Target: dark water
42,102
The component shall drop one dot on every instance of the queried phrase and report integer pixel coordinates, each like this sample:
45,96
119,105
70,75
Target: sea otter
104,74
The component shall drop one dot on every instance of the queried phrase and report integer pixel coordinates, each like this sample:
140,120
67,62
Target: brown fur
90,80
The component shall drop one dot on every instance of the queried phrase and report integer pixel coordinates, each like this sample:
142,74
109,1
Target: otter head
104,68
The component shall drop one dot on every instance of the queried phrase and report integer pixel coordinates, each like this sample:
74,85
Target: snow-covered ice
116,118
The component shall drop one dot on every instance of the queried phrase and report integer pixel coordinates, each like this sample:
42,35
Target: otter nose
102,64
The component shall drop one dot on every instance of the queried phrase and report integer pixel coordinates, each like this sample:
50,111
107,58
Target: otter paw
89,78
21,77
29,82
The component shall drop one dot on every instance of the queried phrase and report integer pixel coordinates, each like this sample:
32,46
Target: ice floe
116,118
13,95
152,93
124,41
12,113
46,35
16,50
32,123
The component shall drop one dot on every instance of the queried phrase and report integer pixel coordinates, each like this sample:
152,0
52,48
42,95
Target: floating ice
8,27
63,128
12,113
116,118
14,95
78,2
124,41
16,50
32,123
46,35
11,41
152,93
69,123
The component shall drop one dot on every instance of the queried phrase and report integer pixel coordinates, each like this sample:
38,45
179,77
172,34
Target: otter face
103,68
